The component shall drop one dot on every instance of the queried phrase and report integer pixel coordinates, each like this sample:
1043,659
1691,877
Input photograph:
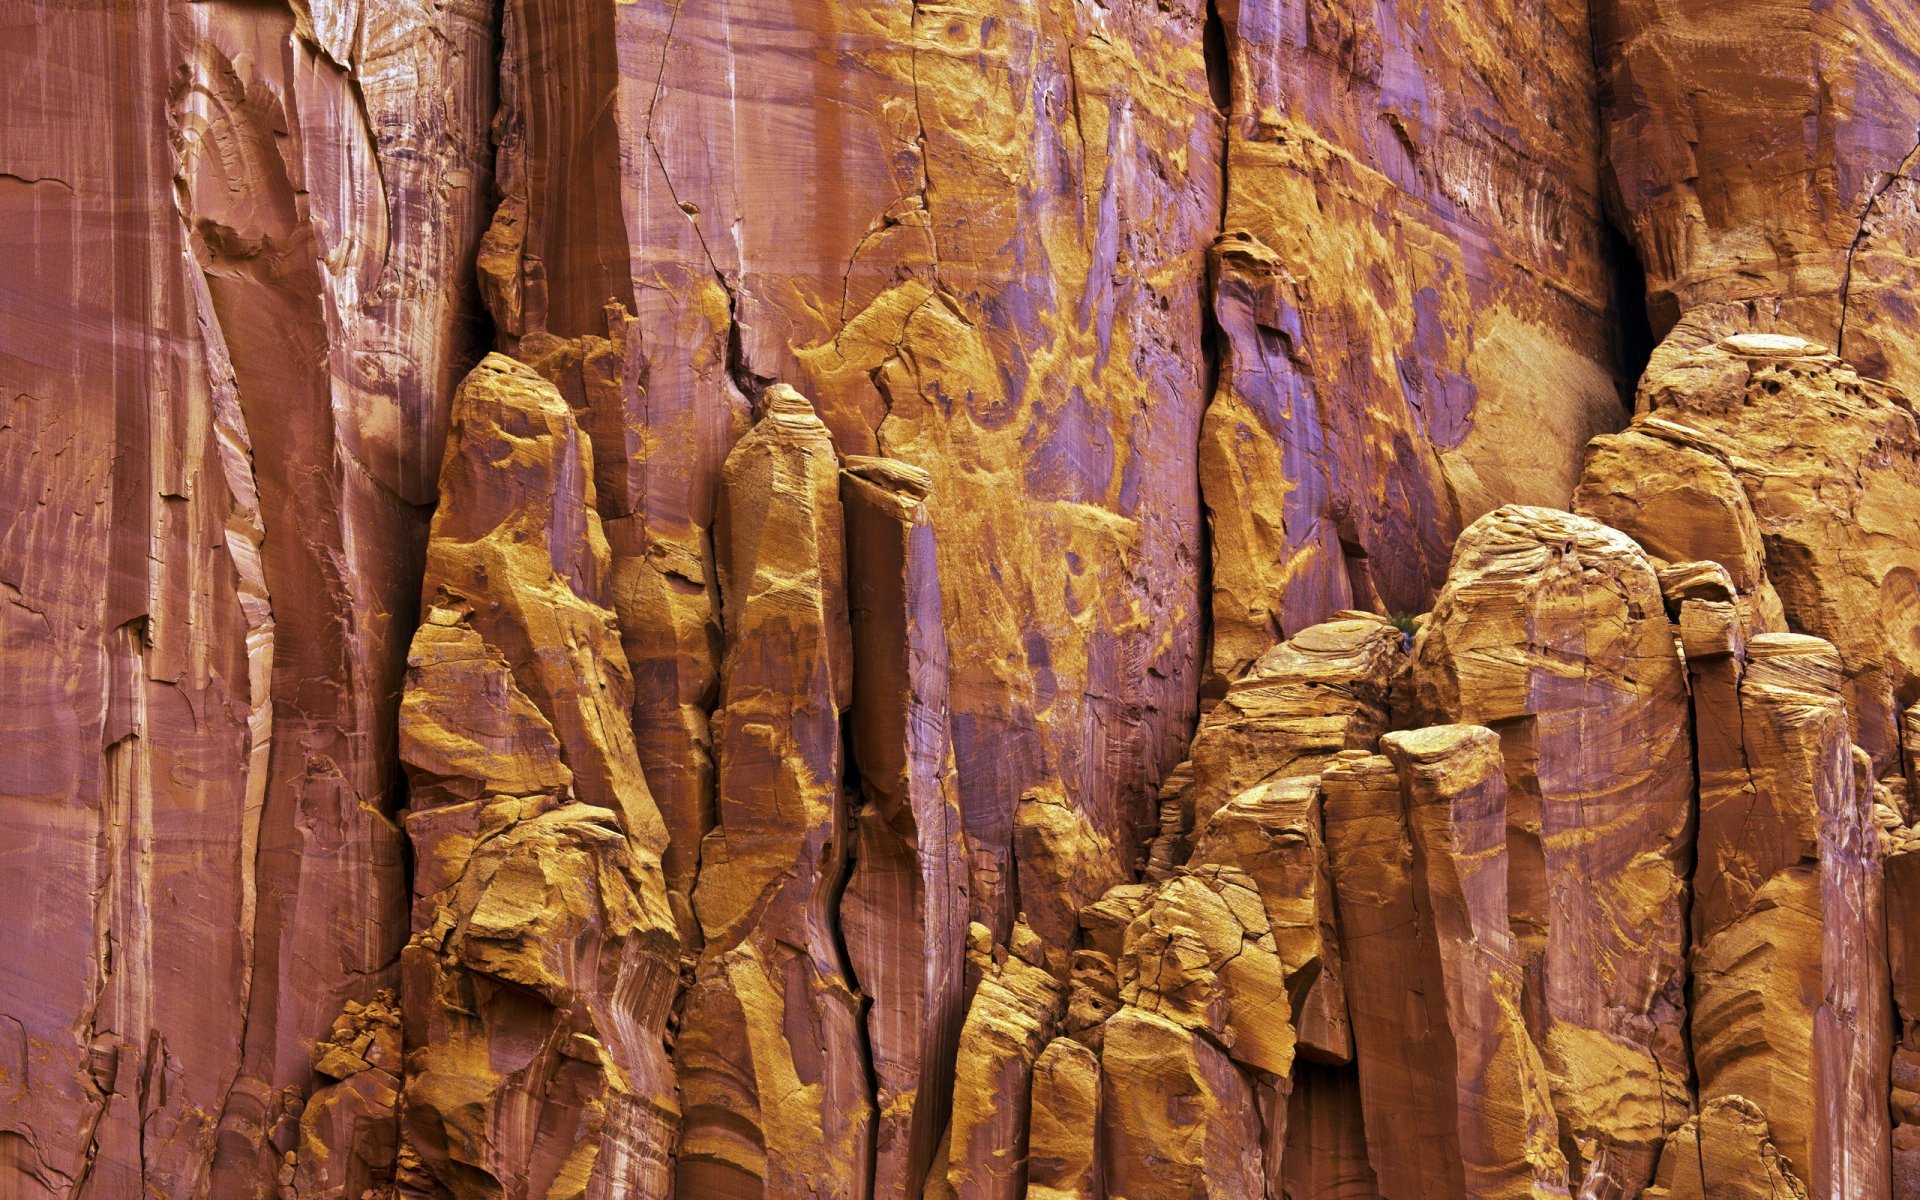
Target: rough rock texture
1783,1017
984,256
1552,631
542,965
1396,992
1177,1120
1446,156
1764,157
1828,472
772,1054
1063,1161
904,913
238,240
999,622
1452,776
1009,1024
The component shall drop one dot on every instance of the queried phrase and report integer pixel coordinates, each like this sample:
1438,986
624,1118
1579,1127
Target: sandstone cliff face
631,599
239,242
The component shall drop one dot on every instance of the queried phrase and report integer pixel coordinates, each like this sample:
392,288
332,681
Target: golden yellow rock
1304,701
1063,865
1725,1153
1010,1022
1203,956
771,1059
1273,833
1829,463
541,969
1790,1009
1177,1120
1063,1162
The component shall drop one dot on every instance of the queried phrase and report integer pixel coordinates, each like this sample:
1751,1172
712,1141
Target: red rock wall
893,678
239,244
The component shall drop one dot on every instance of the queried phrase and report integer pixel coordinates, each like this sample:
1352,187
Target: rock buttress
540,973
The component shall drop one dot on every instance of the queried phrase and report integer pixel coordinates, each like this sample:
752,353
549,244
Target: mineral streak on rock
904,914
599,773
772,1052
1455,787
1553,631
657,508
1357,427
233,335
985,258
541,970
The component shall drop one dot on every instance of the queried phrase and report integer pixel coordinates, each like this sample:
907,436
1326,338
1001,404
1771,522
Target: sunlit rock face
1080,601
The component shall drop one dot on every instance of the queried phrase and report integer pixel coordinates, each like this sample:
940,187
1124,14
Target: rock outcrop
904,912
543,962
772,1055
1552,632
622,599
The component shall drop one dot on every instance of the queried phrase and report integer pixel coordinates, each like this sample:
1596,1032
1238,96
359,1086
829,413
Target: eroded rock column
904,914
1552,630
772,1050
541,970
1455,786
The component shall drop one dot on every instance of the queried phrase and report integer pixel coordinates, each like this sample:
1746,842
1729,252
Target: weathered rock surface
1552,631
237,241
1063,1161
904,913
1177,1120
1012,1018
541,970
1763,154
1357,427
779,726
1782,1017
1828,472
1455,787
1396,990
772,1053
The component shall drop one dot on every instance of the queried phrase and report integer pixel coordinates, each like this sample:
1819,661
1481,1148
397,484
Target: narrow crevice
1860,235
853,797
1213,338
1633,336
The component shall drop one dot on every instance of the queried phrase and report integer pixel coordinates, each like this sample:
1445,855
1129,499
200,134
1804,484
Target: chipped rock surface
1269,599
